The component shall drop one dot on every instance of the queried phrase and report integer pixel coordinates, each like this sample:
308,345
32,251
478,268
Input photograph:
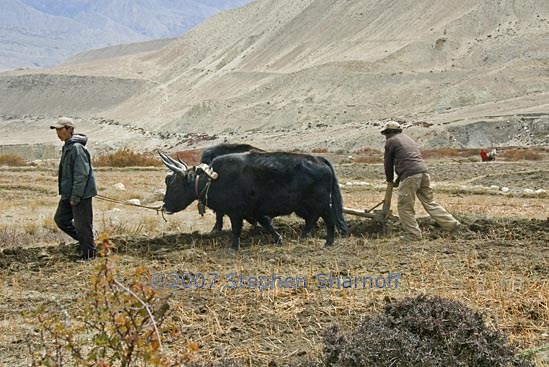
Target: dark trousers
77,222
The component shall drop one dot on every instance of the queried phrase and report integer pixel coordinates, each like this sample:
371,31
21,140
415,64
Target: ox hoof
328,244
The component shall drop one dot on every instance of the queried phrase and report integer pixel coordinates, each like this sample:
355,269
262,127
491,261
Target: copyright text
329,280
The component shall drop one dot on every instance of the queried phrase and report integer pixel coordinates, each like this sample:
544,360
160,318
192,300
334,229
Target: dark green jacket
76,178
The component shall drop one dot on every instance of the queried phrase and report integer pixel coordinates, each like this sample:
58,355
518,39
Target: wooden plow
383,215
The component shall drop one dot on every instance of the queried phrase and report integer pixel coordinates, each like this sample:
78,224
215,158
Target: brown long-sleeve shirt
402,156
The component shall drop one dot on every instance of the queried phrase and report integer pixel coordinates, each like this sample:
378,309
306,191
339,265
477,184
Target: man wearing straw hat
402,156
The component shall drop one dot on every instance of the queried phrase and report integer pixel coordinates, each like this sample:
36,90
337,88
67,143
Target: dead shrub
368,151
368,160
14,236
449,153
126,158
190,157
319,150
12,160
121,321
421,331
300,151
521,154
367,155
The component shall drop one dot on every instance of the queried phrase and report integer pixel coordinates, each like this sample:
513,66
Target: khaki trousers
420,185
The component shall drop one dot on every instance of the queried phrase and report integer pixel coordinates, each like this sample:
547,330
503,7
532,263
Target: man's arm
81,171
389,163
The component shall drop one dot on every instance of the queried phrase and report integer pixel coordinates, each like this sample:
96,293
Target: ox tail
337,204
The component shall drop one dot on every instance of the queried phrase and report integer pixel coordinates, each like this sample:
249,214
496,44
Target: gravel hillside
313,74
43,33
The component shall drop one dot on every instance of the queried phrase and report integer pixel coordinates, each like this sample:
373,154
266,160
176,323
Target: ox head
179,189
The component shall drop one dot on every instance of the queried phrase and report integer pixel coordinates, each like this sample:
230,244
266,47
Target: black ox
209,154
260,185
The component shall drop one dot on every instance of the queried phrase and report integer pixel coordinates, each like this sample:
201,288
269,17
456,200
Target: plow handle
386,210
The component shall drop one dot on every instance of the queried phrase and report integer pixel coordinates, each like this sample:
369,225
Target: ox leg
330,228
218,226
236,228
310,223
267,223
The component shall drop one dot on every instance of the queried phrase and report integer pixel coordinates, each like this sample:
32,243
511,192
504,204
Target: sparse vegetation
503,153
190,157
521,154
126,158
368,152
122,320
367,156
245,327
368,159
16,236
12,160
421,331
318,150
449,153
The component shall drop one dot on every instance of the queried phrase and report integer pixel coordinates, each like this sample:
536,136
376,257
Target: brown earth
497,264
296,75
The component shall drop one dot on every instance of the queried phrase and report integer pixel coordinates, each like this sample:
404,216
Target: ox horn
177,167
183,163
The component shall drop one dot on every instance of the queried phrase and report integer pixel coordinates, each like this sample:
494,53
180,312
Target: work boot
457,228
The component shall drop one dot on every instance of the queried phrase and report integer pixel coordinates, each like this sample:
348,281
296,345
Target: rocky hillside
42,33
318,74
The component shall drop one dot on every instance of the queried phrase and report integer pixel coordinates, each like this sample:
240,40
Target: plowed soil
497,263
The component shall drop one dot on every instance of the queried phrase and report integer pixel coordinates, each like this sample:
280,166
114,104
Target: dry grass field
498,264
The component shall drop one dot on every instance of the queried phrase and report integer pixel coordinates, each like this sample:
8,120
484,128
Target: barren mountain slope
318,73
43,33
118,50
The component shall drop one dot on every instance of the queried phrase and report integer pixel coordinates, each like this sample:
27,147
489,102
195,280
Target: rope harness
202,196
111,200
194,173
202,200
